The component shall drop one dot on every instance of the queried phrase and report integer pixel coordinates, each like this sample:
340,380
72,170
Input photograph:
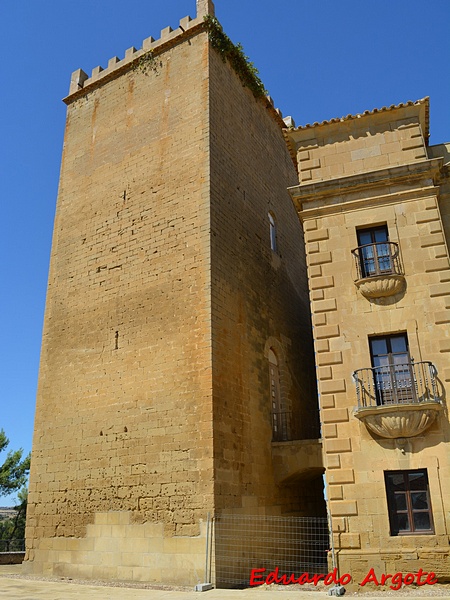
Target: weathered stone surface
164,299
374,170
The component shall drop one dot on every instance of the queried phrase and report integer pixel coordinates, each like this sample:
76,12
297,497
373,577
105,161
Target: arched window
278,420
273,232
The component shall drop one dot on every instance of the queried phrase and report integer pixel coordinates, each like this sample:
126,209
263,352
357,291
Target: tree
14,528
14,471
13,476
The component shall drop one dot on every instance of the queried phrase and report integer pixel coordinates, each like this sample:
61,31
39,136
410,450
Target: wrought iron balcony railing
406,383
288,426
380,258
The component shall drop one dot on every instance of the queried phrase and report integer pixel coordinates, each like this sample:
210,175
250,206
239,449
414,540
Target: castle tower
176,341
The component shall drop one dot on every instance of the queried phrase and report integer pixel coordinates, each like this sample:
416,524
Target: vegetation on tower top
234,53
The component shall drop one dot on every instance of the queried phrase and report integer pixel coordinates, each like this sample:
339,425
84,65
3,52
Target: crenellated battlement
80,80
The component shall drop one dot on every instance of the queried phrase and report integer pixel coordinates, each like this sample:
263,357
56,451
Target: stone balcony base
399,420
381,286
297,460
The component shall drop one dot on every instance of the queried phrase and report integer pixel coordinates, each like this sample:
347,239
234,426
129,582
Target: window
273,232
279,424
374,251
408,499
392,369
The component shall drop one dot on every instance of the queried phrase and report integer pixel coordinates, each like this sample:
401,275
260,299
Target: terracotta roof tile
372,112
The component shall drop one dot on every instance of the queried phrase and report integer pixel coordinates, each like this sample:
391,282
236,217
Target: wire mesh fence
293,544
12,545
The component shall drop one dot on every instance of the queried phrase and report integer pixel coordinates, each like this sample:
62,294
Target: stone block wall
164,299
116,548
124,412
346,149
259,300
354,460
408,194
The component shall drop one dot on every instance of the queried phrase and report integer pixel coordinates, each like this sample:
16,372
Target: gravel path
426,591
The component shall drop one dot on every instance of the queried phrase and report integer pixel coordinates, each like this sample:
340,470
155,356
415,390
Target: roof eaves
425,101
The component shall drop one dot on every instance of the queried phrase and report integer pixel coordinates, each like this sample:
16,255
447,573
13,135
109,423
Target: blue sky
319,59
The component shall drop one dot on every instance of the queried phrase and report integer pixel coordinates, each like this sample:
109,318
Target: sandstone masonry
165,299
198,238
373,199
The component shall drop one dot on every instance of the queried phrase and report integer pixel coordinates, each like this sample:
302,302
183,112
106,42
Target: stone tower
177,340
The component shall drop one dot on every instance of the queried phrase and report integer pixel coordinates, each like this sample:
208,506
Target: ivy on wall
239,61
147,62
233,53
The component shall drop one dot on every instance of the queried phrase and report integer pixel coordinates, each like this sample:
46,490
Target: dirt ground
440,590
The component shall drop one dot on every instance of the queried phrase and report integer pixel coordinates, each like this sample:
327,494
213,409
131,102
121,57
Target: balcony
296,447
288,426
379,270
397,400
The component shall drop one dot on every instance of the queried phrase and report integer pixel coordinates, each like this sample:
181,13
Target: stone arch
279,386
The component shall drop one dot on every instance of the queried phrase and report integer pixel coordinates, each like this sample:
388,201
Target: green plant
14,471
147,62
14,527
239,61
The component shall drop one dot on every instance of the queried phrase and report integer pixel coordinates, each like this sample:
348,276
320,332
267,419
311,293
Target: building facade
374,201
177,377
